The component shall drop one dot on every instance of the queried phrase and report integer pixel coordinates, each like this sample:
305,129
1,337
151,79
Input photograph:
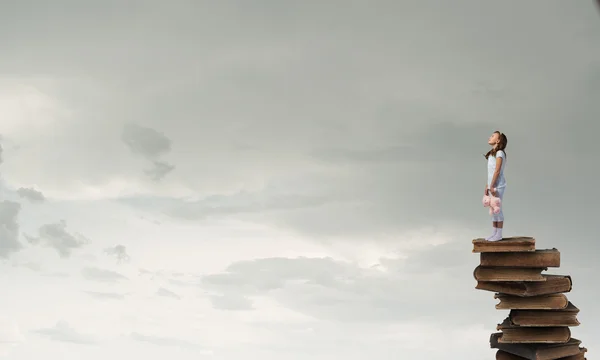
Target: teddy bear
493,202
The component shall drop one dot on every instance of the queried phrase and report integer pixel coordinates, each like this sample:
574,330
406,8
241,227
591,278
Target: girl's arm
496,172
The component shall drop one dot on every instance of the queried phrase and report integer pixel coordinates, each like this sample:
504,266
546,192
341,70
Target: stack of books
538,324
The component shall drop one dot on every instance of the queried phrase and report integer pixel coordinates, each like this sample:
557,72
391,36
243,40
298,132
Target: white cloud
105,295
28,109
10,336
165,341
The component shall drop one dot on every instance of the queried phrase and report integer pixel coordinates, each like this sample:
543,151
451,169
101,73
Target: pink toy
493,202
486,201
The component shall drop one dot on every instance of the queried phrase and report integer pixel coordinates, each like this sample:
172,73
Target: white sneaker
493,234
497,236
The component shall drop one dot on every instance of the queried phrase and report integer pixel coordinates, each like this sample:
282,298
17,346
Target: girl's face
494,139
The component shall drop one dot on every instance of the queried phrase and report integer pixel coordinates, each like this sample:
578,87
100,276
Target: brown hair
501,145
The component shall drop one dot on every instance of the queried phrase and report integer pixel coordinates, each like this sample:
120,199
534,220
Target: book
538,325
560,317
540,302
514,334
510,244
499,273
537,351
503,355
533,259
554,284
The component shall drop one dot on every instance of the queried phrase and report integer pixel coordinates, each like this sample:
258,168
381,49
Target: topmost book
509,244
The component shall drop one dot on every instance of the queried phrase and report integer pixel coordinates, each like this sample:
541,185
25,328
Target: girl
496,183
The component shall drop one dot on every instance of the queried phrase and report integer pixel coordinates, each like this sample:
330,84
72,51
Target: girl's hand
493,192
485,192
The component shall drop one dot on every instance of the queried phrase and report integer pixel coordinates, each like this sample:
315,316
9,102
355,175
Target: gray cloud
119,252
145,141
31,194
102,275
389,154
388,149
276,197
487,90
159,170
338,291
241,204
150,144
428,146
9,228
32,239
362,191
1,152
63,332
167,293
57,237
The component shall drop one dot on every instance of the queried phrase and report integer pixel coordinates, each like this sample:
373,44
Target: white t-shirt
501,181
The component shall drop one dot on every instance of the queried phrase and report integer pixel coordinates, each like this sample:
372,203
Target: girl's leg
498,220
494,230
493,226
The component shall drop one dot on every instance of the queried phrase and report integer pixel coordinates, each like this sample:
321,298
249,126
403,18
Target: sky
285,180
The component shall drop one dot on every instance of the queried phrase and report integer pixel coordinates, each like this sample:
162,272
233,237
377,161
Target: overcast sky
285,180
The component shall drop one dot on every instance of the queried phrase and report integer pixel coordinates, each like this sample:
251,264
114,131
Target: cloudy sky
285,180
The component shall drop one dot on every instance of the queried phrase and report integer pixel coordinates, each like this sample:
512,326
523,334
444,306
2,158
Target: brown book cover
503,355
541,302
510,244
535,259
580,356
502,273
554,284
514,334
537,351
560,317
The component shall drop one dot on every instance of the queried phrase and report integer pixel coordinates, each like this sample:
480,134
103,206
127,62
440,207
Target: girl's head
497,141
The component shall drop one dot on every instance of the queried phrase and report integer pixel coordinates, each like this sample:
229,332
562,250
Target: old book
510,244
580,356
554,284
514,334
537,351
541,302
503,355
560,317
501,273
533,259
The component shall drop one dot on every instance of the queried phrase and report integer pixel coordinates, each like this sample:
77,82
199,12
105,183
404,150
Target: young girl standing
496,183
